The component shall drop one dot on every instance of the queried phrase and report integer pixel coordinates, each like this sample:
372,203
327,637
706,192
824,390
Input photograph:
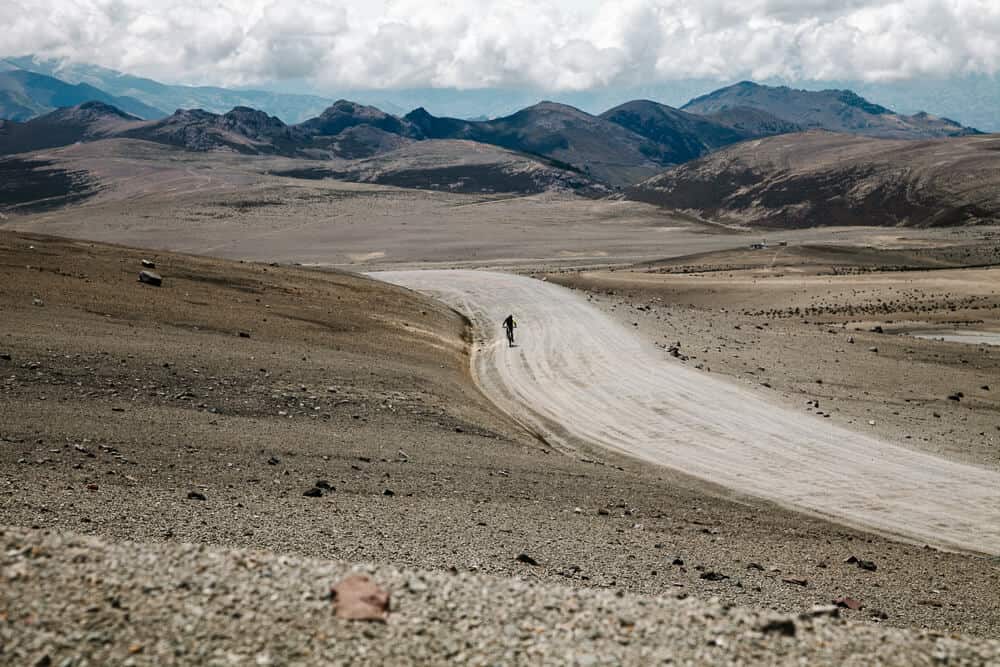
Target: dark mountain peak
678,136
343,114
349,108
252,119
834,110
852,99
191,115
102,109
549,107
418,114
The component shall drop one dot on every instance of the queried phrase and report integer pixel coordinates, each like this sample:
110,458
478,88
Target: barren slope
119,400
580,377
459,166
821,178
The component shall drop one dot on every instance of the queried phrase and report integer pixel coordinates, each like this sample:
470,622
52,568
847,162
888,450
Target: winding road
577,375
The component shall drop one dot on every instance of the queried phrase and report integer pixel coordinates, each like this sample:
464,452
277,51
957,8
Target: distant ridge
25,95
833,110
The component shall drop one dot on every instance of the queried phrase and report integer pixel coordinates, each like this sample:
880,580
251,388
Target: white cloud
556,45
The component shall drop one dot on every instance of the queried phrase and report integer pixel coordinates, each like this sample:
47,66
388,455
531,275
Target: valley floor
120,400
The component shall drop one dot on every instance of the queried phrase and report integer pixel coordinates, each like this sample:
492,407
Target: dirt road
578,376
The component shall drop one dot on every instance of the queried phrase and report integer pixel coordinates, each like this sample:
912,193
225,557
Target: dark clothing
509,324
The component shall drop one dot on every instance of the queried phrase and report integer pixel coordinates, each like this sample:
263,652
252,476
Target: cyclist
510,324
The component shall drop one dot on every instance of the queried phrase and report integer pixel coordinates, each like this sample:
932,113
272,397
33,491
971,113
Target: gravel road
576,375
73,600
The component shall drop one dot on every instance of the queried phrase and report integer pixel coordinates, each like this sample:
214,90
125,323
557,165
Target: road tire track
577,375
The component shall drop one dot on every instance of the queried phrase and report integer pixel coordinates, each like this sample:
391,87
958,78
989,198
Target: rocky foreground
74,600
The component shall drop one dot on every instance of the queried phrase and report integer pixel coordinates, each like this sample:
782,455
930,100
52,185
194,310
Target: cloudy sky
551,44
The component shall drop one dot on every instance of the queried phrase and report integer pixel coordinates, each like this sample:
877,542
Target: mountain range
623,146
165,98
25,95
620,147
747,154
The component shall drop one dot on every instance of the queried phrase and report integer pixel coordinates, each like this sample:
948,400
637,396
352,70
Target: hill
89,121
242,130
603,150
684,136
455,165
824,178
25,95
833,110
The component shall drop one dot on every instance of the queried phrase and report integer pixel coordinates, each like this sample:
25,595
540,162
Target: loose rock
358,598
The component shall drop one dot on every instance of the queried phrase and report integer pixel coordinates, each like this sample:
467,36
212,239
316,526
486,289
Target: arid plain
260,369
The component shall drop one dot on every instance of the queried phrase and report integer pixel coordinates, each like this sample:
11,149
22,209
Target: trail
576,374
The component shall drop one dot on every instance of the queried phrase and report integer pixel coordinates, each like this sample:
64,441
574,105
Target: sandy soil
577,376
808,329
232,207
99,436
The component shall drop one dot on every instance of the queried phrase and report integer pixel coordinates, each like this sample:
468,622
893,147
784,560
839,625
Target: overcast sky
548,44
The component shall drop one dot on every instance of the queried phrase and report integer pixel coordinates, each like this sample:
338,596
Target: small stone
755,566
358,598
821,610
5,356
273,461
416,585
678,561
195,495
37,302
603,512
797,581
526,559
389,493
848,603
244,334
781,626
150,278
323,484
713,576
314,492
148,264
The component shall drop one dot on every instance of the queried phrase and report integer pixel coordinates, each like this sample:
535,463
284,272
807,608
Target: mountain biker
510,324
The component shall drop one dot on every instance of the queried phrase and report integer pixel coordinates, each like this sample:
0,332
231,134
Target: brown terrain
248,384
250,429
823,178
829,329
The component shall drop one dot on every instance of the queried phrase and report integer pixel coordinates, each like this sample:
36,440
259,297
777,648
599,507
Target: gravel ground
76,600
828,336
118,401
